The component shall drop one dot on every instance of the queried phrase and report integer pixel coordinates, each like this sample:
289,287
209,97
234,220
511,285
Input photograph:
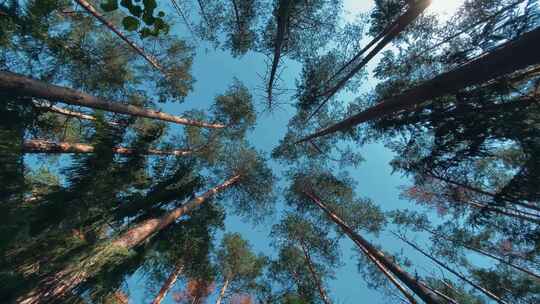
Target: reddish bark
44,146
57,287
389,34
511,56
313,273
222,291
374,254
168,284
18,85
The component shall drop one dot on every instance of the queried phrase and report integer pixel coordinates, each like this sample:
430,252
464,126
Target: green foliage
153,25
338,194
478,145
235,109
237,263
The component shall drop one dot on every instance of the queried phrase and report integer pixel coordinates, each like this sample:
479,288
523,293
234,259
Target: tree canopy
113,169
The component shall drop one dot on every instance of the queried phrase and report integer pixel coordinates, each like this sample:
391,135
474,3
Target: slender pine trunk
411,282
52,108
44,146
442,295
510,213
281,20
91,9
391,33
143,231
203,13
222,291
168,284
510,57
483,252
316,278
18,85
457,274
480,191
57,287
236,16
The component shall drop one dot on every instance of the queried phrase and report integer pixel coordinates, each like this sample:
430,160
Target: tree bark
52,108
442,295
203,13
236,16
476,286
511,56
89,8
282,20
515,214
143,231
168,284
18,85
57,287
44,146
390,33
222,291
316,279
411,282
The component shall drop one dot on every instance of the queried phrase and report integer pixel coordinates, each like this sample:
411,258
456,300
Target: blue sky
214,71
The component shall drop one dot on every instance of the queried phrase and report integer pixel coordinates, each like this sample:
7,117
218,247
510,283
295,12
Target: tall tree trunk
511,56
18,85
390,33
442,295
515,213
483,252
282,20
411,282
183,16
480,191
143,231
203,13
236,16
482,20
222,291
54,288
89,8
316,278
121,297
168,284
44,146
52,108
457,274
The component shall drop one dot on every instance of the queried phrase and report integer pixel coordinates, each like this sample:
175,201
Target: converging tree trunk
282,20
168,284
442,295
18,85
511,56
389,34
143,231
44,146
480,191
510,213
222,291
57,287
425,294
483,252
314,275
457,274
89,8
